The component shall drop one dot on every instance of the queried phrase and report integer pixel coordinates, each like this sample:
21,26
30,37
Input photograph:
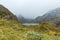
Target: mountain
38,19
50,15
6,14
10,30
21,19
25,20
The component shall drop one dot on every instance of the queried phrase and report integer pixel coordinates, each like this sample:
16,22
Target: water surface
27,24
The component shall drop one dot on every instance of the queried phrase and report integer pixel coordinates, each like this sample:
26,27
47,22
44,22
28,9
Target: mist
30,8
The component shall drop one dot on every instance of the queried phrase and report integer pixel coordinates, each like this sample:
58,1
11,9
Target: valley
46,27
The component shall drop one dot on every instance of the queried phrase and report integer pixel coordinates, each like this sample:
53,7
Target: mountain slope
10,30
50,15
6,14
21,19
25,20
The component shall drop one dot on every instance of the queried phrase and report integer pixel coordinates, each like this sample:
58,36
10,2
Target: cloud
30,8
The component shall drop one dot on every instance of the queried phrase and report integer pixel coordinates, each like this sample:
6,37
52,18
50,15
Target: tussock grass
15,31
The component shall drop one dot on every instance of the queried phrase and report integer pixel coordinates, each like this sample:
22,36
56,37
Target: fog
30,8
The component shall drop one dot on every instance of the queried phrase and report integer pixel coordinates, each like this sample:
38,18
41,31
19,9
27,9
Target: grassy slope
15,31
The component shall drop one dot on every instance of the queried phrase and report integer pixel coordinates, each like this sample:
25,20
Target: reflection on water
27,24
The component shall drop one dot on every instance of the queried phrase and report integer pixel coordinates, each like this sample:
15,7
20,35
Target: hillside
6,14
21,19
10,29
49,16
53,14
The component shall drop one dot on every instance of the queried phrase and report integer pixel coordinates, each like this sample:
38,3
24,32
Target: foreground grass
15,31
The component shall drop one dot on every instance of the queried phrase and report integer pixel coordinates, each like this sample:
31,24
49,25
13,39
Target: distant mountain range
52,16
25,20
49,16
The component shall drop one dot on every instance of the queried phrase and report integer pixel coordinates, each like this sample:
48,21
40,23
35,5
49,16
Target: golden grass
15,31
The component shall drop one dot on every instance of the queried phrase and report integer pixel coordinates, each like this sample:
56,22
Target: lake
28,24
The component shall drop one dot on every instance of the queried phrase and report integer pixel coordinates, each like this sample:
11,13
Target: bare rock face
6,14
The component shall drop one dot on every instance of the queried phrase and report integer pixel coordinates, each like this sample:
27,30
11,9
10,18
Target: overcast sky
30,8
